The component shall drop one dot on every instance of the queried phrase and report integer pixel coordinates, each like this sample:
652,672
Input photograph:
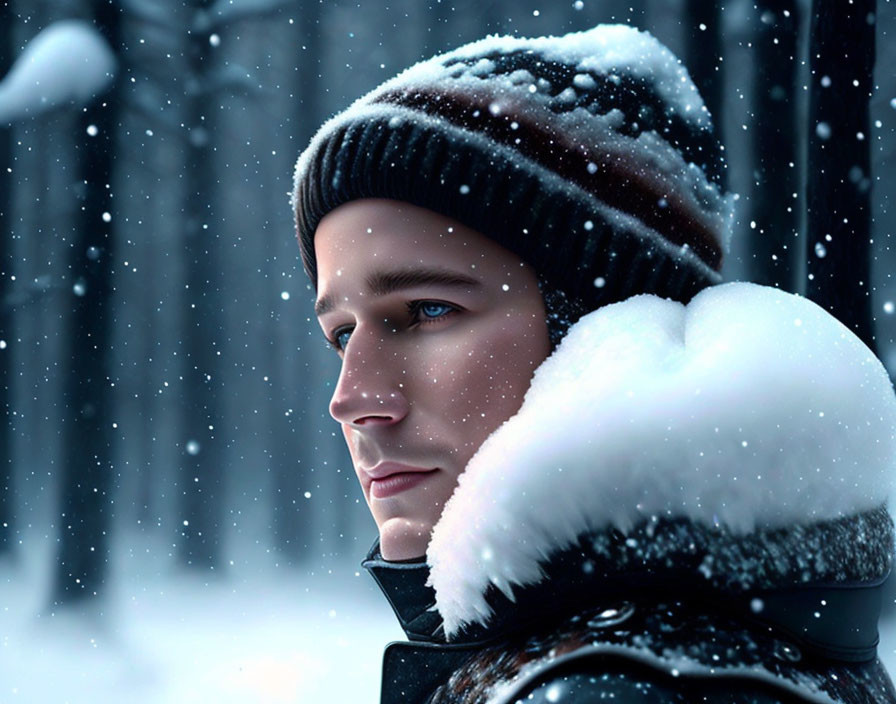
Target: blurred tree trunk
438,21
294,454
202,473
494,16
150,313
7,491
841,47
638,14
86,482
774,230
703,52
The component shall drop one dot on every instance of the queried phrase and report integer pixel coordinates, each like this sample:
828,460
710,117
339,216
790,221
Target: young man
685,500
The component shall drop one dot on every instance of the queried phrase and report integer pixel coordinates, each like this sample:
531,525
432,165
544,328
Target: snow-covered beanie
591,156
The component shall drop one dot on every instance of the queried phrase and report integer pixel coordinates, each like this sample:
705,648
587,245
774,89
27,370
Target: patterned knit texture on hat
591,156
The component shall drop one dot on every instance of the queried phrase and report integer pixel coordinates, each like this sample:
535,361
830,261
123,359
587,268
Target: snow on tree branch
69,62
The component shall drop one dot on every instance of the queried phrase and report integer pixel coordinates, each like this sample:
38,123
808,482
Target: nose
368,392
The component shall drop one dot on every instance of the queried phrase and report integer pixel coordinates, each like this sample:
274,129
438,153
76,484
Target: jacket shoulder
597,674
664,652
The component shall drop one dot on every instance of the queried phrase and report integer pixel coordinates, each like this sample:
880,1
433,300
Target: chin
404,538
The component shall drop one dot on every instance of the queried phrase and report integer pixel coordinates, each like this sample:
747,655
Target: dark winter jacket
715,535
648,628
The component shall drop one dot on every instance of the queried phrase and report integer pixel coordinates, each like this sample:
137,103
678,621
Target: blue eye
433,309
340,338
430,311
419,312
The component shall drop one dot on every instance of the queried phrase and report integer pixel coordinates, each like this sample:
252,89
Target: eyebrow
381,283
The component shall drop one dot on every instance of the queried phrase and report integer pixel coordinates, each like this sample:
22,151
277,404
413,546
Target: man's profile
595,472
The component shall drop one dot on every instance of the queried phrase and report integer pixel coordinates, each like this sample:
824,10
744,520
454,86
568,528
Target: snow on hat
591,156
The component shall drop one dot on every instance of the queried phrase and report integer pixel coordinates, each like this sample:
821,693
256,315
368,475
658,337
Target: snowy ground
887,649
279,636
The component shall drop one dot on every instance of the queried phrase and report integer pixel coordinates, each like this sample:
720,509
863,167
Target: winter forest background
178,518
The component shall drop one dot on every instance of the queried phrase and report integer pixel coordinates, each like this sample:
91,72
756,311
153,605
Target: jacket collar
605,570
404,585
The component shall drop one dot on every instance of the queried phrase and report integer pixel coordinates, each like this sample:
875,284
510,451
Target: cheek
481,381
510,365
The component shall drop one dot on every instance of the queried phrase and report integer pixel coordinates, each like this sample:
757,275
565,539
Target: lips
390,478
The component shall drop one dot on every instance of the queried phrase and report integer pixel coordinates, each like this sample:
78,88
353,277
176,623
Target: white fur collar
748,408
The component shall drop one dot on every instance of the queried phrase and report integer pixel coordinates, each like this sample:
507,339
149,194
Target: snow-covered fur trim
749,408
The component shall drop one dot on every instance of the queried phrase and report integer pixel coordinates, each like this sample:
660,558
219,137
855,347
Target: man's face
439,330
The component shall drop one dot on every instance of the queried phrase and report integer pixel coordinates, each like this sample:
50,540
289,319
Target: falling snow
265,624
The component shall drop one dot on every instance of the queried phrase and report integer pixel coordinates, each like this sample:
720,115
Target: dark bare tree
773,235
153,123
204,436
86,483
6,271
637,13
439,14
703,51
294,451
838,182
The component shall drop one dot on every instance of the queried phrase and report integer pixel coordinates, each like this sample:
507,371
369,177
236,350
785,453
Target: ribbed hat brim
578,243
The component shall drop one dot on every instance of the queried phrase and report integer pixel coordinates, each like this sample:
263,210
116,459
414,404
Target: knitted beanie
591,156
